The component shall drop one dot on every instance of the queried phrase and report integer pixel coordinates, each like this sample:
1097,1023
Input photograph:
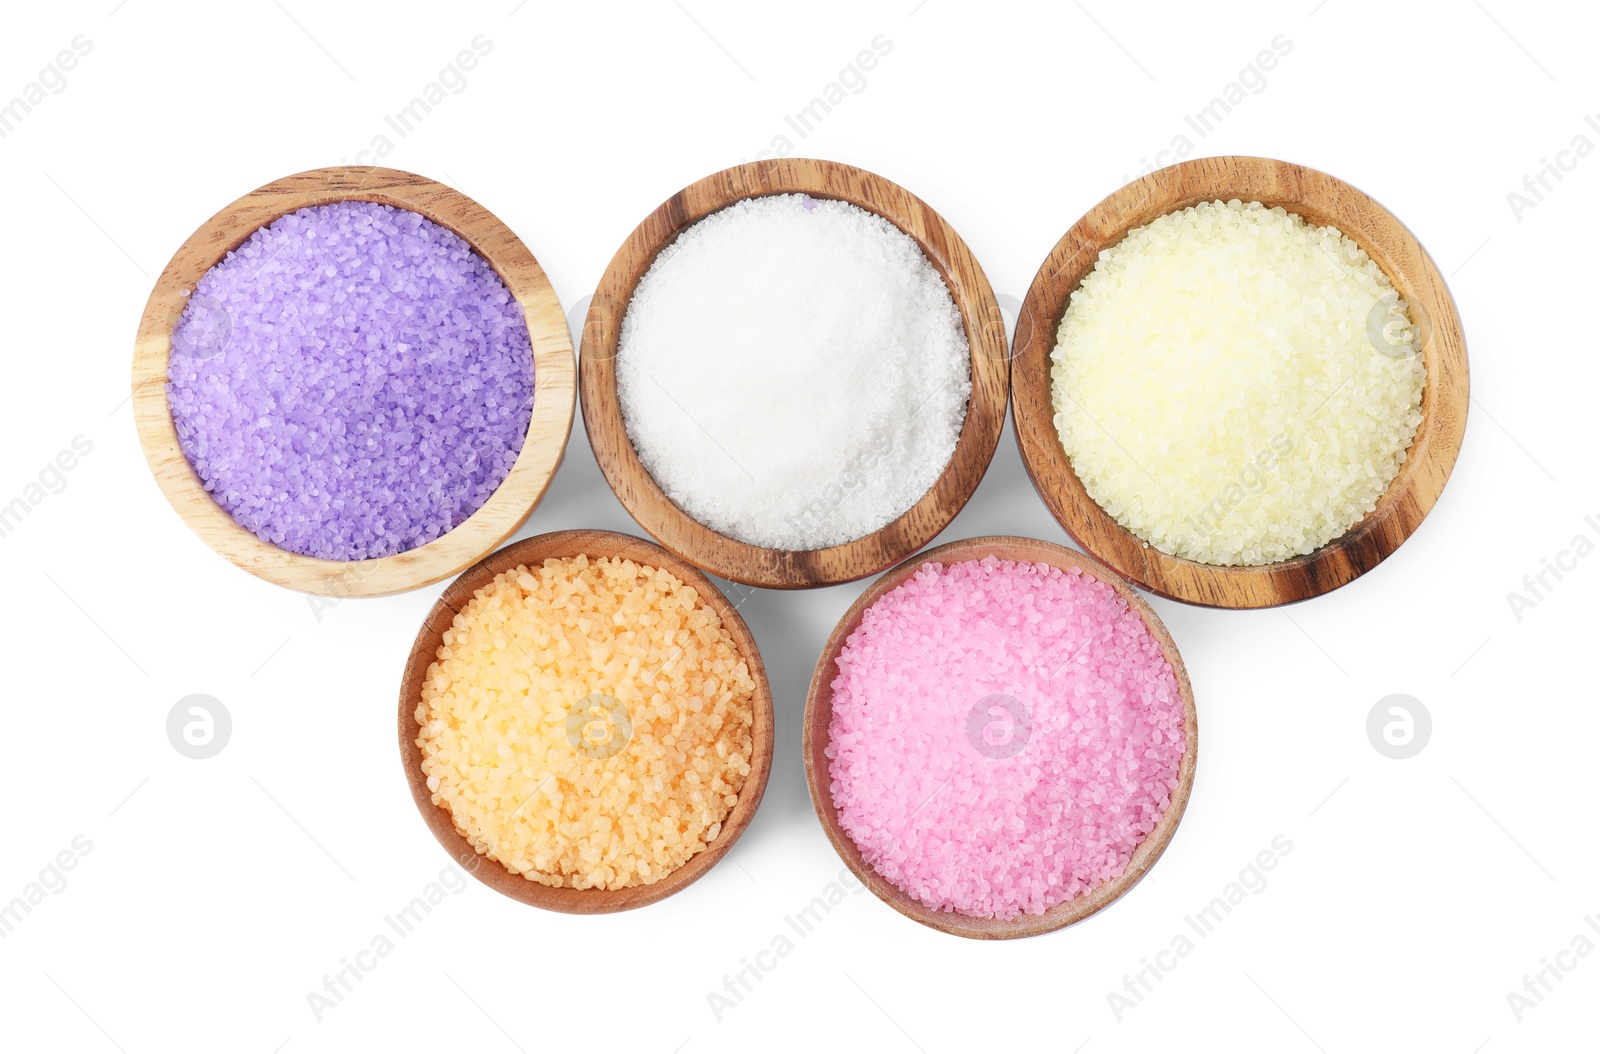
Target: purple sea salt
351,382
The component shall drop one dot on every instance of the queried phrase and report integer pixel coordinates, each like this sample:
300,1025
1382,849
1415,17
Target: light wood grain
533,552
506,509
819,716
729,557
1322,200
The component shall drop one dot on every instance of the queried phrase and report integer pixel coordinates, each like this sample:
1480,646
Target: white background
219,892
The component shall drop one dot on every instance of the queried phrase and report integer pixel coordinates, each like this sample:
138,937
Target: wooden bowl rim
1316,196
728,557
533,552
819,714
549,425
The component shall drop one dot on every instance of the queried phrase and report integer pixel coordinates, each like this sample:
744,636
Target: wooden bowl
533,552
1320,199
486,528
819,715
729,557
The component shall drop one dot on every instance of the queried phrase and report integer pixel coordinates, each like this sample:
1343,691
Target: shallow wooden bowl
819,715
533,552
1320,199
729,557
507,507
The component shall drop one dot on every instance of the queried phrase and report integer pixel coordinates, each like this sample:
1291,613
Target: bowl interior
533,552
548,427
729,557
819,716
1324,201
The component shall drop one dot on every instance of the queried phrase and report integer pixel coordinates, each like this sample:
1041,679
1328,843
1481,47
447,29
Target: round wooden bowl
1321,200
819,715
729,557
518,493
533,552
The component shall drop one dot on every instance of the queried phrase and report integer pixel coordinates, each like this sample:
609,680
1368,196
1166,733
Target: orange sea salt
587,723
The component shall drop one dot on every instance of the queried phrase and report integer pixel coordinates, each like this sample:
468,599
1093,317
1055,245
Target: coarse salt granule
1004,735
793,372
1235,386
530,665
351,382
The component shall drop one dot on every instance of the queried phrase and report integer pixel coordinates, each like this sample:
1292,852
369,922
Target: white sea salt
1235,386
793,372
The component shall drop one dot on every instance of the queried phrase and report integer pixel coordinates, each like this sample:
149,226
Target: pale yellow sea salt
1235,386
587,723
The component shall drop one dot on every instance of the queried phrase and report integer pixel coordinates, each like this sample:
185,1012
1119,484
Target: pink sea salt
1004,735
351,382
